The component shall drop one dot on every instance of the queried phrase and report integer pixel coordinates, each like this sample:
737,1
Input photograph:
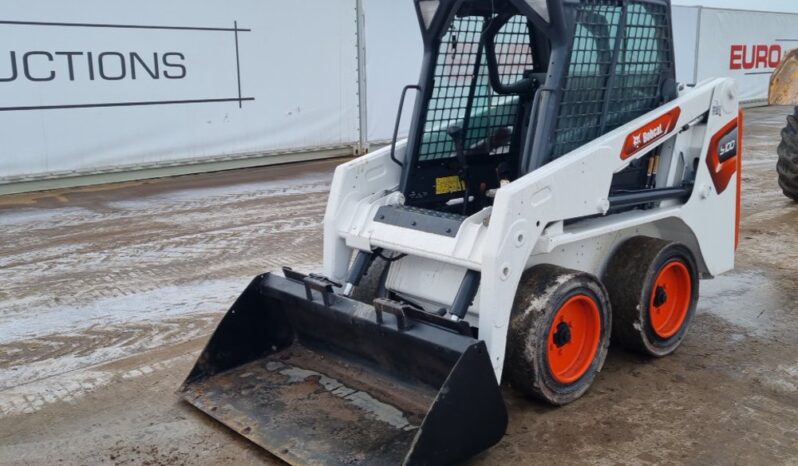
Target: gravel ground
108,294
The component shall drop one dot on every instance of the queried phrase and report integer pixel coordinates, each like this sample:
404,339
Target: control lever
458,136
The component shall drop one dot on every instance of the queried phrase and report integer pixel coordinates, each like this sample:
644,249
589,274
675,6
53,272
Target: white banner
120,85
685,41
90,85
746,46
394,51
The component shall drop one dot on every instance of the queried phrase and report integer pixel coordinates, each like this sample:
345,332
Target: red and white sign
744,45
755,57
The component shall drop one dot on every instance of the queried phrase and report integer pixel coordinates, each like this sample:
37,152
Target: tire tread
787,166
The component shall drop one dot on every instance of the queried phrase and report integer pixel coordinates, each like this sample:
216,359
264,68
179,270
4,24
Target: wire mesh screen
584,93
609,81
462,95
454,73
513,50
643,56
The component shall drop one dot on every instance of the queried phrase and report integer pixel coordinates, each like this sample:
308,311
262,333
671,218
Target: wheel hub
563,335
660,296
670,299
573,338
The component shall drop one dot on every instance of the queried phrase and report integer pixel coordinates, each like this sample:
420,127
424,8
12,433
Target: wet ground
107,294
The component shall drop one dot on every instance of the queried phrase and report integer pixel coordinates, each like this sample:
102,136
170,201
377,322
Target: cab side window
644,59
590,67
619,59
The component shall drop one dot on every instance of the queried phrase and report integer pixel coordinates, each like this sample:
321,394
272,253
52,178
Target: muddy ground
107,294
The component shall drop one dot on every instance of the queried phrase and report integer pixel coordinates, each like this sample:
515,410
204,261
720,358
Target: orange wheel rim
574,339
670,299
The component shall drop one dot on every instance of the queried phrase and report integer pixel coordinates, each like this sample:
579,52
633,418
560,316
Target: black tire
630,278
541,294
787,166
372,285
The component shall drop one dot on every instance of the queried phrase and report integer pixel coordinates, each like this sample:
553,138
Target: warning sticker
449,184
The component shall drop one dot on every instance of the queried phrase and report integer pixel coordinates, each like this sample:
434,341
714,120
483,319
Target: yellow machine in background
784,91
784,82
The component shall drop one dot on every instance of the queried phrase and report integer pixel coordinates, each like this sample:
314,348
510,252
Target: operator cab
509,85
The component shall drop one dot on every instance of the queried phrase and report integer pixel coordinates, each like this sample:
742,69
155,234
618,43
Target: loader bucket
316,378
784,81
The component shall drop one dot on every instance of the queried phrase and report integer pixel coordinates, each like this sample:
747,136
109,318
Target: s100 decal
722,159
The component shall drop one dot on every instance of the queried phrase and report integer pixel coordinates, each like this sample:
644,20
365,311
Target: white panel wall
393,55
744,45
297,64
297,67
685,41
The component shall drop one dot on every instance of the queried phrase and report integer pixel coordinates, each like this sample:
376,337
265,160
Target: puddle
746,299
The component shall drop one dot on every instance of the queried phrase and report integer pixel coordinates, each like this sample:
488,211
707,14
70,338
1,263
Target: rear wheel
559,334
787,165
653,287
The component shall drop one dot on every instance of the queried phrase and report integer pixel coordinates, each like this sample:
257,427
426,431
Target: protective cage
480,72
520,83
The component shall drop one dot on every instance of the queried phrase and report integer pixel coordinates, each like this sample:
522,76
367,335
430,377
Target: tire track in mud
151,233
71,387
134,262
83,286
32,359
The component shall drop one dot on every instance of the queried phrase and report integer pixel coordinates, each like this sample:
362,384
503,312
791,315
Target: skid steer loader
557,187
784,91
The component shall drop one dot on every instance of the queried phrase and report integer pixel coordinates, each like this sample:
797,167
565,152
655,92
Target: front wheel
559,334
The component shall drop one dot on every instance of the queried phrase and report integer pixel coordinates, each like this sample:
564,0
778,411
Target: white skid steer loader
557,189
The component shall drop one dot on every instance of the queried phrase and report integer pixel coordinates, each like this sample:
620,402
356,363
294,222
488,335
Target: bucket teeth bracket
313,282
321,285
396,308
